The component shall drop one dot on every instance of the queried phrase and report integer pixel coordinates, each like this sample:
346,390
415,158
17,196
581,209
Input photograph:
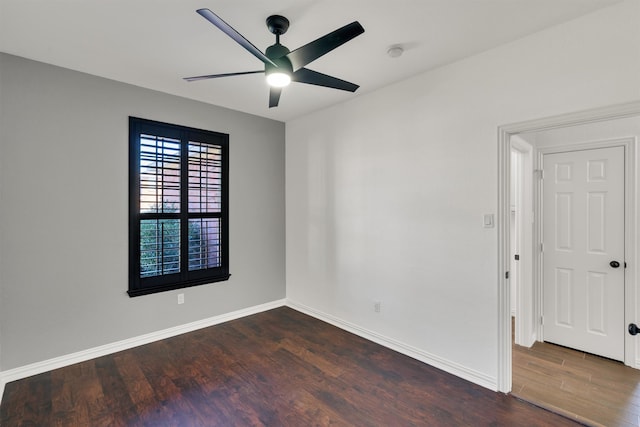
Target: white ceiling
154,43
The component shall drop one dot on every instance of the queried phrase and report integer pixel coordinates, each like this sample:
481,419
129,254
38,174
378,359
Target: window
178,213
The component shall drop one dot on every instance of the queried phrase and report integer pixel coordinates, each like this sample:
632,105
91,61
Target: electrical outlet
376,306
180,298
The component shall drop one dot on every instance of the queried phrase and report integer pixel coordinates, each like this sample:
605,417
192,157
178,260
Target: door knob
633,329
614,264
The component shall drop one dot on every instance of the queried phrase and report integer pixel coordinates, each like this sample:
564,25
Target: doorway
618,126
606,118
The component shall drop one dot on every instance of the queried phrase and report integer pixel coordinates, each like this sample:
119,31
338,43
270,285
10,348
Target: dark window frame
184,278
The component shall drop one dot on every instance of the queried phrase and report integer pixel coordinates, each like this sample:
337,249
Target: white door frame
504,371
526,305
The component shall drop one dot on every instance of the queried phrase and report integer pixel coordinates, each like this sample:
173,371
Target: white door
583,238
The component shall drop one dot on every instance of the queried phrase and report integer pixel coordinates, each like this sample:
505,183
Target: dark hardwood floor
277,368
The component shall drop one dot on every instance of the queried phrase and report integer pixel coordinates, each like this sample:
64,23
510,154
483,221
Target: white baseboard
103,350
423,356
81,356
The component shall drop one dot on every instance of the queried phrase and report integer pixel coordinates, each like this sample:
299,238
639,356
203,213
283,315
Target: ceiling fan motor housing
277,53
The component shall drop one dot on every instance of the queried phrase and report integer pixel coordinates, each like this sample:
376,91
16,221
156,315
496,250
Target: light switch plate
488,221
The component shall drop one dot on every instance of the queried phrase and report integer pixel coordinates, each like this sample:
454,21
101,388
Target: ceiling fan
282,66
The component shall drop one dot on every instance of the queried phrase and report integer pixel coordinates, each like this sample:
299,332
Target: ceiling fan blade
274,96
305,75
215,76
314,50
231,32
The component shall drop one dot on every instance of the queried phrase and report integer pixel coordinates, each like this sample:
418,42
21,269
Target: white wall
385,194
64,213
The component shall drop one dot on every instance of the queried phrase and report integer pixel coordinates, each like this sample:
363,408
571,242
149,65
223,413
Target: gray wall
63,212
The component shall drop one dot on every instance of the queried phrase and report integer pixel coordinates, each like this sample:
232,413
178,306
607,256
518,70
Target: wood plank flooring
277,368
592,389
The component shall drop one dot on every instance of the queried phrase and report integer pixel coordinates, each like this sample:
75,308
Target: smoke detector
395,51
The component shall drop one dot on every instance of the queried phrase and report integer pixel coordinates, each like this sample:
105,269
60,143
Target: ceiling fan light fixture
278,78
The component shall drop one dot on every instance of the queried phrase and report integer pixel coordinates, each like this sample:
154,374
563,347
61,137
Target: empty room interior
434,223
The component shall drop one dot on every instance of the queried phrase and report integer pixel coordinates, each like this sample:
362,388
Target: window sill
163,288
